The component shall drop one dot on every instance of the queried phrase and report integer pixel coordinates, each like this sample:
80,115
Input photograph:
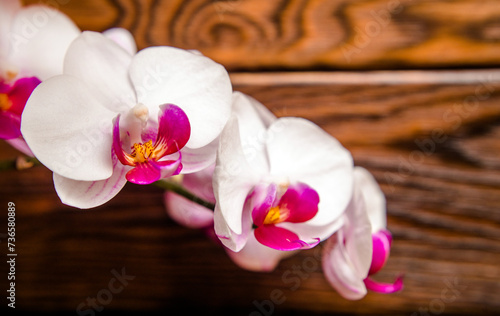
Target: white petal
88,194
266,116
8,10
123,38
373,198
358,235
301,151
68,130
244,106
256,257
339,271
234,178
227,236
253,120
309,233
103,65
40,37
194,160
198,85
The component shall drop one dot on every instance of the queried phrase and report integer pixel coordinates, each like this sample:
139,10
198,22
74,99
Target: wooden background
425,120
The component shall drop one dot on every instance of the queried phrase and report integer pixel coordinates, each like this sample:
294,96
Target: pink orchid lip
382,241
10,125
174,131
385,288
381,249
13,99
298,204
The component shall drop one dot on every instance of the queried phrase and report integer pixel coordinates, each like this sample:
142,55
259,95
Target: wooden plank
443,210
308,34
427,109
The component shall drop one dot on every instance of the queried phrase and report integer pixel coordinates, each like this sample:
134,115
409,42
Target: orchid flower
253,256
284,182
361,247
112,117
33,42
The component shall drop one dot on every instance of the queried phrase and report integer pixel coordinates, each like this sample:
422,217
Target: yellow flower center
276,215
142,152
5,103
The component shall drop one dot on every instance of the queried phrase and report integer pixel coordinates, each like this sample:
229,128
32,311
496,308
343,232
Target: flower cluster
99,114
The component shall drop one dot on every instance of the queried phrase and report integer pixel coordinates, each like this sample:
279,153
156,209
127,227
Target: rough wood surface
443,193
306,34
430,138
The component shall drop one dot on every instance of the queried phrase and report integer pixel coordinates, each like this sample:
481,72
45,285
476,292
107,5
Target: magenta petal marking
263,196
385,288
117,144
280,238
4,88
144,173
151,171
302,202
174,129
20,92
10,125
168,168
381,248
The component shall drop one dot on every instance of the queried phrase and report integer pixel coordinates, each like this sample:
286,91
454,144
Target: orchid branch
179,189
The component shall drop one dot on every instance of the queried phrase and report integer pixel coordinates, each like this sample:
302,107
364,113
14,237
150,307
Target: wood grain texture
308,34
443,210
430,139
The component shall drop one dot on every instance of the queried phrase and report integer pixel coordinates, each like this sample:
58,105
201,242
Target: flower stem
179,189
20,163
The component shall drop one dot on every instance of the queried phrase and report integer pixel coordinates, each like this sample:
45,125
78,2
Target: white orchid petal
198,85
266,117
256,257
40,37
254,120
339,271
358,235
194,160
301,151
257,116
89,194
68,130
8,10
310,233
373,198
227,236
123,38
234,178
103,65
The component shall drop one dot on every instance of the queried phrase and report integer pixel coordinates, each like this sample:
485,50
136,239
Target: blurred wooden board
443,201
308,34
